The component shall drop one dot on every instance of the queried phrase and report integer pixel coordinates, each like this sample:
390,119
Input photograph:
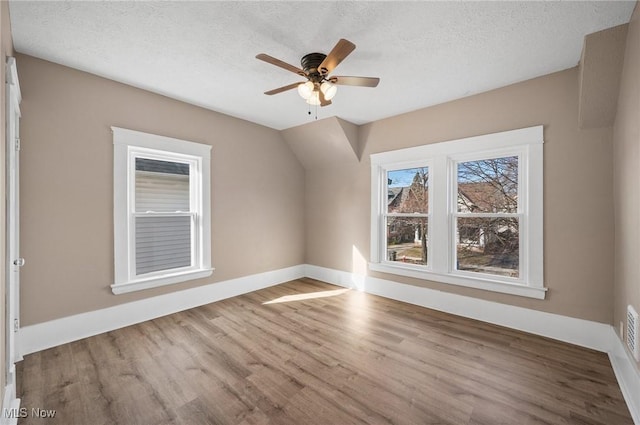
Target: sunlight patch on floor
308,296
358,269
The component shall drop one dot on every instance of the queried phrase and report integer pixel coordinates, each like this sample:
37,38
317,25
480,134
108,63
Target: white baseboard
627,374
10,406
568,329
45,335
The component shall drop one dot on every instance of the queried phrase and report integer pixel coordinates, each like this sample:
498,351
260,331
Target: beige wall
626,145
577,192
6,49
67,188
600,68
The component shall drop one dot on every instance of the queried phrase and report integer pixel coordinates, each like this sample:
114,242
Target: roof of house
486,197
476,197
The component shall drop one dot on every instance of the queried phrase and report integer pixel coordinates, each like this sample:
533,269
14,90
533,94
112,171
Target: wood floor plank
310,353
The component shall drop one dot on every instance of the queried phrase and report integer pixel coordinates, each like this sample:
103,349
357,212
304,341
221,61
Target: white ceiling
204,52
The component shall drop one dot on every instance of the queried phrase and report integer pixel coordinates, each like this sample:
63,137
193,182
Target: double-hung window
465,212
161,210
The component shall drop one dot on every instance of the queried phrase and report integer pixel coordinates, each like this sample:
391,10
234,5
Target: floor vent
632,332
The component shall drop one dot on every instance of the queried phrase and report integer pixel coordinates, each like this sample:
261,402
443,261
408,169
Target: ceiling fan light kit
328,89
314,98
320,88
305,89
309,92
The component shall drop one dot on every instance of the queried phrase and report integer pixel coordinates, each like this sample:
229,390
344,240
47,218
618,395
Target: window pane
488,186
161,186
162,243
488,245
407,239
408,191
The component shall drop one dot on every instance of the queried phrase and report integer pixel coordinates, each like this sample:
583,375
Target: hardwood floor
306,352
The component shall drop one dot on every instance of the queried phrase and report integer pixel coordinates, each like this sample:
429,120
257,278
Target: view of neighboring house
487,233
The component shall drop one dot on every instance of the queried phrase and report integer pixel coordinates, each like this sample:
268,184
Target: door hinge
18,144
16,325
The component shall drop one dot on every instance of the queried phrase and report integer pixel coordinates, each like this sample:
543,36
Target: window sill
476,283
154,282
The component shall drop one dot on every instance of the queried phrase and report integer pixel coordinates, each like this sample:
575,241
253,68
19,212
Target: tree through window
407,218
487,222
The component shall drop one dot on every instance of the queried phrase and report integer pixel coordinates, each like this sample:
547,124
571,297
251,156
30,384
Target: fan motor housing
310,64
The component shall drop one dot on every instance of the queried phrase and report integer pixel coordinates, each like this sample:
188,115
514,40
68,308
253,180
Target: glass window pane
488,185
488,245
407,239
408,191
161,186
162,243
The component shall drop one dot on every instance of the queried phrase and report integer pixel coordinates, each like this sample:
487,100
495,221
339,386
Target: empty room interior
343,212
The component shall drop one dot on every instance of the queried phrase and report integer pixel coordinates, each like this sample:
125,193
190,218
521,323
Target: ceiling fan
320,88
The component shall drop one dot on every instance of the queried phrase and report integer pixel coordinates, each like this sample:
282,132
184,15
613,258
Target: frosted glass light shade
329,90
314,98
305,89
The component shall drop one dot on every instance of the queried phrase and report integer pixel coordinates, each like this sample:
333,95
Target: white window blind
162,243
163,217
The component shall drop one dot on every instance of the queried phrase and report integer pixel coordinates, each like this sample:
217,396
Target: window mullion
439,215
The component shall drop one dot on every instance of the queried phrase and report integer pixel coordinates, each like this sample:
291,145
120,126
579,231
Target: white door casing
13,261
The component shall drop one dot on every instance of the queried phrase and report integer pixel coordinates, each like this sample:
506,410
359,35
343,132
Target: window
161,210
407,215
487,217
465,212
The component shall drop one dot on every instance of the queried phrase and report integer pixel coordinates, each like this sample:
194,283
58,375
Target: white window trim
128,143
441,158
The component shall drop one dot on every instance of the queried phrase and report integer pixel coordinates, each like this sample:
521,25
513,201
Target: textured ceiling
204,52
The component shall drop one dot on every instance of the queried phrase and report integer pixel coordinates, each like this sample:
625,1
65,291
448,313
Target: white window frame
127,146
442,159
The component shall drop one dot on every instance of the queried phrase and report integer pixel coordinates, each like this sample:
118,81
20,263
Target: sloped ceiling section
600,73
324,143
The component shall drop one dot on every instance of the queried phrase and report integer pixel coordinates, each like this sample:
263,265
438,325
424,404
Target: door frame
13,262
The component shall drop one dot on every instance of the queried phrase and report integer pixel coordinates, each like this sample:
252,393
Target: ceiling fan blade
337,55
356,81
278,62
281,89
323,101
